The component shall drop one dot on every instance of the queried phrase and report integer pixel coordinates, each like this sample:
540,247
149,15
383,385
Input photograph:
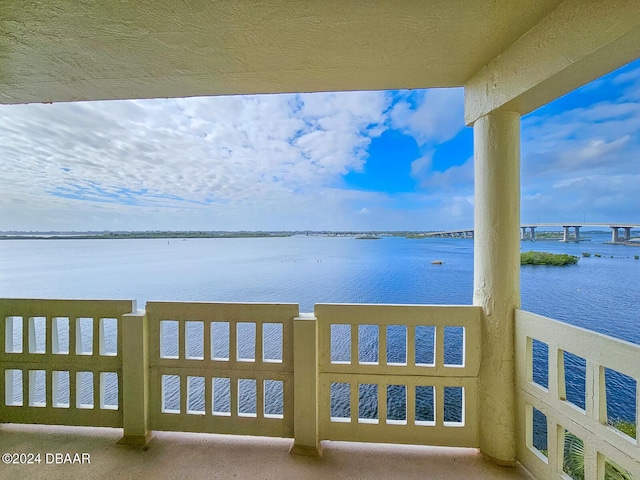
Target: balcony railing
181,367
62,361
573,429
374,373
408,383
212,371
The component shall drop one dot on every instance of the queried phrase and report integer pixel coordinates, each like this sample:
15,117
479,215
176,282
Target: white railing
221,367
253,369
61,361
601,442
393,390
375,373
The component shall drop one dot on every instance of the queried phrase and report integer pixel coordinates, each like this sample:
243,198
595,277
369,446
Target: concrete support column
565,238
614,235
577,230
496,139
627,234
524,229
533,234
135,379
305,381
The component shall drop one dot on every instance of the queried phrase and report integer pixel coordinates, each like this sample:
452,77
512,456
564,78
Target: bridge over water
615,231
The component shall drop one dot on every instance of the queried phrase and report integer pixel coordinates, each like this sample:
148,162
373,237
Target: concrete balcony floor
186,455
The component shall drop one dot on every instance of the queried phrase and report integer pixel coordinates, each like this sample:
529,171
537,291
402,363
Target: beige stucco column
496,139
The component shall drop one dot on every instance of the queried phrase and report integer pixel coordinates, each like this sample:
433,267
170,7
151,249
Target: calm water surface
600,293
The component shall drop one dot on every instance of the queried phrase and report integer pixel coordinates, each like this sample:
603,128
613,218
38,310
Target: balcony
180,367
188,455
511,57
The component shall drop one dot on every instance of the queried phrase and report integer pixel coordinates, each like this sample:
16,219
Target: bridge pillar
533,234
614,235
496,274
627,233
577,230
524,230
565,238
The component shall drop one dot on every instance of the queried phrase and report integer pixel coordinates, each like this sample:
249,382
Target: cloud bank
276,162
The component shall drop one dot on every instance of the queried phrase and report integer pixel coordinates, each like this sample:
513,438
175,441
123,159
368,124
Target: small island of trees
545,258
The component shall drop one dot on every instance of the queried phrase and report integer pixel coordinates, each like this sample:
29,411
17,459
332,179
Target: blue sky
395,160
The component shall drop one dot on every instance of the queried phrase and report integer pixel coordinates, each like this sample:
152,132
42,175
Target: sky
390,160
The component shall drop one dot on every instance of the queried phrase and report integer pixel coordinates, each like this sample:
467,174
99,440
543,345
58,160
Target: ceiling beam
578,42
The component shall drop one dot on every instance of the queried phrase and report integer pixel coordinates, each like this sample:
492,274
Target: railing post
135,379
305,380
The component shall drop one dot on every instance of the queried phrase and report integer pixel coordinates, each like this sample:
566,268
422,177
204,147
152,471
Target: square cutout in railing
573,456
108,390
246,341
340,402
368,403
108,330
425,344
220,341
396,404
84,336
368,341
170,394
574,380
60,389
621,402
194,340
37,334
84,390
169,338
539,363
60,335
396,345
341,343
454,346
37,388
454,406
613,471
13,334
247,397
195,395
538,434
13,387
272,342
273,399
221,397
425,406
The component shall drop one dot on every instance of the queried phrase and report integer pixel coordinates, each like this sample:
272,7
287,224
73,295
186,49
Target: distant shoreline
147,235
106,235
93,235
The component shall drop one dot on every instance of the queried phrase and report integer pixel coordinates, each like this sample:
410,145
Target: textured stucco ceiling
79,50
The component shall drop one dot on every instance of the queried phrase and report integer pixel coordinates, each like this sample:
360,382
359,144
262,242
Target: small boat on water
437,262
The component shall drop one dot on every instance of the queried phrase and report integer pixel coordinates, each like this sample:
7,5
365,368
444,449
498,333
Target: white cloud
422,166
597,147
277,161
457,177
193,156
598,198
597,138
459,208
437,118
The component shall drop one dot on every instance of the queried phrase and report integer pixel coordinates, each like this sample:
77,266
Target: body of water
600,293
